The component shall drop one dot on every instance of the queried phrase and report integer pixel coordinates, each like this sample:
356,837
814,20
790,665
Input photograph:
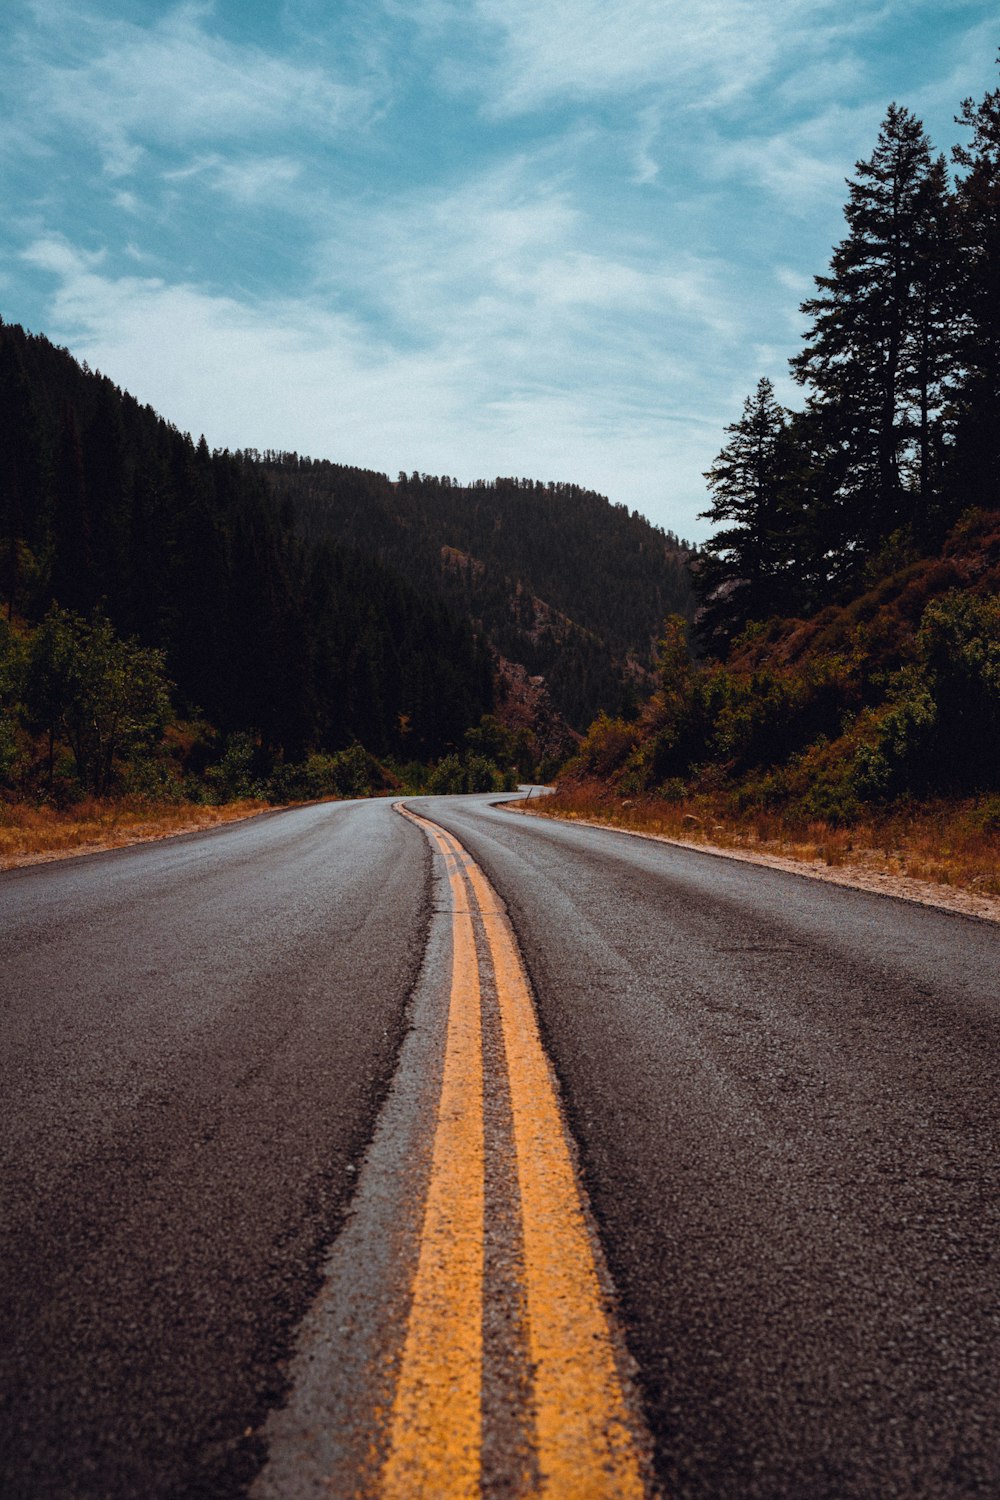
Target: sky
560,239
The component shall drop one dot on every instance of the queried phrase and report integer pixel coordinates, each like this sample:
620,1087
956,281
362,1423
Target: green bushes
605,747
492,760
345,773
823,732
940,731
10,662
232,778
469,773
84,692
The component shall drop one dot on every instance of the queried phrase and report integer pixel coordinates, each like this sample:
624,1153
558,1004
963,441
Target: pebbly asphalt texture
195,1038
784,1095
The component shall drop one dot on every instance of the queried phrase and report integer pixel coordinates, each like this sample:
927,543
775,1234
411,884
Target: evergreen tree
744,572
104,468
876,353
73,580
22,469
975,468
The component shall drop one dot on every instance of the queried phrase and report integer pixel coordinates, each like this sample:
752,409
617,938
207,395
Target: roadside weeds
937,859
34,835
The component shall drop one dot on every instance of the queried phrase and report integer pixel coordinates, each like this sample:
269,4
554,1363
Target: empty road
779,1103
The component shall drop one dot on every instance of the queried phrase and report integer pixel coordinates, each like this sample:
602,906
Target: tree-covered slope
891,696
304,643
557,578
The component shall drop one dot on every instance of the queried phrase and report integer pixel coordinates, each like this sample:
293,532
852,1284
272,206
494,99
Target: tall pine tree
876,353
975,468
743,572
22,469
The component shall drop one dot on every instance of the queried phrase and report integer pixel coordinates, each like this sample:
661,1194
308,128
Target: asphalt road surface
783,1093
195,1038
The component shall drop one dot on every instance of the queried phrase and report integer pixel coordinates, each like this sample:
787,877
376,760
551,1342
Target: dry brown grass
30,835
949,844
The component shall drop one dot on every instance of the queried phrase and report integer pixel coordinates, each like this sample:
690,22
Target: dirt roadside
852,873
97,835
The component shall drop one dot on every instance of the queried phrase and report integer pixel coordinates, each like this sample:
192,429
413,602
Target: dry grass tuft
30,835
954,844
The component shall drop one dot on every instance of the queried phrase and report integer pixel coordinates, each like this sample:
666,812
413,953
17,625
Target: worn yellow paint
436,1424
584,1435
586,1447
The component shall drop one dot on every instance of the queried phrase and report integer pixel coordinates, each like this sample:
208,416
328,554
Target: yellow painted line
584,1434
586,1447
436,1423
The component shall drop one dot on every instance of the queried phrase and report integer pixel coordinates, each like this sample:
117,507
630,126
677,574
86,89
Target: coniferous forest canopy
555,578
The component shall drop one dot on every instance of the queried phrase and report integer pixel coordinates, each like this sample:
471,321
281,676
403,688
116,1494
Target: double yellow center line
584,1435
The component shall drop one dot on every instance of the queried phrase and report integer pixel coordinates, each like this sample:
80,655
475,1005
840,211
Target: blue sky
555,238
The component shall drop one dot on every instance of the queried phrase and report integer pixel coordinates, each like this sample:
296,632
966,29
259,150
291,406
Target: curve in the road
507,1374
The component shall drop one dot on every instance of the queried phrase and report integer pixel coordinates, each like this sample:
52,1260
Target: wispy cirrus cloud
705,52
178,84
646,163
513,269
247,179
803,164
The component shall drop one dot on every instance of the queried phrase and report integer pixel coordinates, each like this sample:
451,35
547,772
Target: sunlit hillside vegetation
552,575
847,671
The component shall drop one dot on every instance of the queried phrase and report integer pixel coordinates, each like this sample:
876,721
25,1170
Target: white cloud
61,259
247,374
245,179
513,268
804,165
795,281
646,164
176,84
705,51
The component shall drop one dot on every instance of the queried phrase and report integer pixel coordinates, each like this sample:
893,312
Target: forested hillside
300,645
279,609
850,621
558,579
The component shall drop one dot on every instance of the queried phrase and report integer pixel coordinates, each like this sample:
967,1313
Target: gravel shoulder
853,874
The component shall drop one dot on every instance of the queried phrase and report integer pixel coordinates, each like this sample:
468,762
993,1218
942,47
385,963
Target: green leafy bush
605,747
941,729
105,698
234,777
472,773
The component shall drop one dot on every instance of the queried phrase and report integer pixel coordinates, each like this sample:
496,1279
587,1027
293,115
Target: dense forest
174,617
849,631
553,576
110,516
